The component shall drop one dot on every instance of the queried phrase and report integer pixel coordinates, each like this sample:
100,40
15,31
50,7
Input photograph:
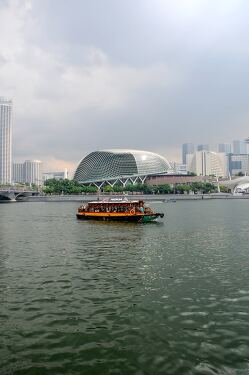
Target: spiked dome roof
119,163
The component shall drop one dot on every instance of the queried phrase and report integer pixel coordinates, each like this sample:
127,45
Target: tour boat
118,209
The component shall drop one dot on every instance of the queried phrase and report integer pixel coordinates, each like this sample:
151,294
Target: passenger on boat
141,207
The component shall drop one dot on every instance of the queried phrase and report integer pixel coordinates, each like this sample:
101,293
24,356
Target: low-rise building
238,163
177,168
55,175
173,179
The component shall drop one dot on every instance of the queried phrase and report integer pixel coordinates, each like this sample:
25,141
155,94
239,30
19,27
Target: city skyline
146,75
201,159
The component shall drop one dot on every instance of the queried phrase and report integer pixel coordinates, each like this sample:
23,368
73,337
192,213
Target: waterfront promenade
146,197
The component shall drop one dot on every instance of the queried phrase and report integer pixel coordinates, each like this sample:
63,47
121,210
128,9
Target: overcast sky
142,74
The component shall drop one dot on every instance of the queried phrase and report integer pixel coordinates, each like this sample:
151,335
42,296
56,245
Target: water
110,298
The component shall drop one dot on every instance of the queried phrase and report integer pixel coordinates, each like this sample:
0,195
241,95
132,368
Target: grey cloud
143,74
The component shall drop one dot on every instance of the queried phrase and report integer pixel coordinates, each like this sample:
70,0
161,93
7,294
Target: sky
87,75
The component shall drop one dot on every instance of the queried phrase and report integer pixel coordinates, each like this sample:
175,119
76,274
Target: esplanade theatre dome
119,164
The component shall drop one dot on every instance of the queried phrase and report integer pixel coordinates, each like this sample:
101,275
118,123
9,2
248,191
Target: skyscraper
224,147
203,148
239,147
187,148
5,140
247,145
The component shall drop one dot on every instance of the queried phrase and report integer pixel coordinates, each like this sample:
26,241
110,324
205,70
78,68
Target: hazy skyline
144,74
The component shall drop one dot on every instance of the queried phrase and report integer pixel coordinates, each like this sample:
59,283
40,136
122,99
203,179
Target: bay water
79,297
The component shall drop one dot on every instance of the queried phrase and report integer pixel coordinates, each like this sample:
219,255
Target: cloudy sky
142,74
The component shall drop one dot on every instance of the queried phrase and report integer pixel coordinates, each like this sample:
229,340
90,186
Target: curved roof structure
240,183
119,163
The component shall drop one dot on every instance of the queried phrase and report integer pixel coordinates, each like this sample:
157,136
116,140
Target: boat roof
116,201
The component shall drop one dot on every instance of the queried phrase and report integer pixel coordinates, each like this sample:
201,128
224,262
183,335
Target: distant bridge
16,194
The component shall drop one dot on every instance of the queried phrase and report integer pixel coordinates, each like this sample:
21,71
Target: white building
18,173
177,168
55,175
206,163
29,172
5,141
32,170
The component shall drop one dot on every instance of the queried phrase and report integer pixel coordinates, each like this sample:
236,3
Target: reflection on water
110,298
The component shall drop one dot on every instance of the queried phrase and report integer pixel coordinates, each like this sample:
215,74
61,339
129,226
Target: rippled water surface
110,298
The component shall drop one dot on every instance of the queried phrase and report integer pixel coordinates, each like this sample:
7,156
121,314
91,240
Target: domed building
119,166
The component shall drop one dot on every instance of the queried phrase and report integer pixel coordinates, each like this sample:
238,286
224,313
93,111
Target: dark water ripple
103,298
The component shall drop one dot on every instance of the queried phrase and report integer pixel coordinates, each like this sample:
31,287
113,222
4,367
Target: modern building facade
5,141
119,166
187,148
208,163
238,164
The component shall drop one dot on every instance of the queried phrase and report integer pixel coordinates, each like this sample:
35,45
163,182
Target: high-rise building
18,172
28,172
225,148
187,148
203,148
206,163
247,145
239,147
5,141
32,172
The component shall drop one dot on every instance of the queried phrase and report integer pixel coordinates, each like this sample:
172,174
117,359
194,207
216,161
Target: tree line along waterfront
53,187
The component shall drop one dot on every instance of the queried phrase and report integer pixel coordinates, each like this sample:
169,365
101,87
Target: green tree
54,186
108,189
118,188
164,189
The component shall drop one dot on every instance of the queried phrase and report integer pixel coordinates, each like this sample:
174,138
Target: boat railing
130,208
